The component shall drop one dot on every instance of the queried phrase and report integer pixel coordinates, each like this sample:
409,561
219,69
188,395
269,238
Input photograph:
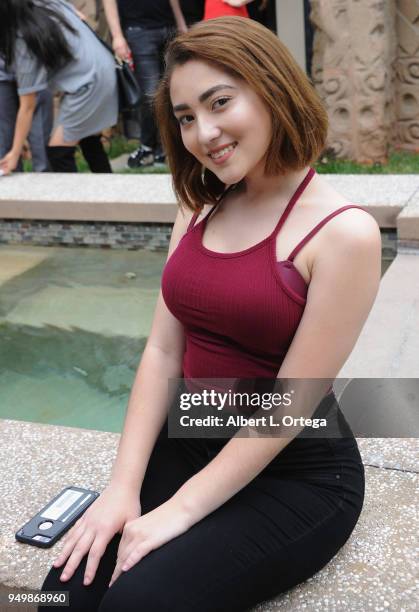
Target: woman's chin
229,176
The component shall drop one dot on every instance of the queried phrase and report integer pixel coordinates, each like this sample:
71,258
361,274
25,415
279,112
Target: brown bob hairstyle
246,50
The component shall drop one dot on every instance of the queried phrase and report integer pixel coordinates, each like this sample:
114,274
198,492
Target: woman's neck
256,189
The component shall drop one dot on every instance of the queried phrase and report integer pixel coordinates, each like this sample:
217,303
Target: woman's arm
147,407
27,105
148,403
179,18
119,43
342,291
146,412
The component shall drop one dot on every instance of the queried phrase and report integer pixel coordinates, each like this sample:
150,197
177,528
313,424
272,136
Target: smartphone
50,523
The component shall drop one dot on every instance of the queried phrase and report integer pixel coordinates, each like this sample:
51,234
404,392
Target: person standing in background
91,146
74,63
41,125
142,28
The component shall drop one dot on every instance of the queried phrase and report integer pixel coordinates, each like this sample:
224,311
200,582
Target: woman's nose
208,131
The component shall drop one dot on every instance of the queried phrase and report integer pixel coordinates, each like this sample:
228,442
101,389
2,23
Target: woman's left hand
9,162
148,532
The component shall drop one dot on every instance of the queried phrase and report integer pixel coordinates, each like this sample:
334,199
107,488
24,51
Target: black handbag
129,93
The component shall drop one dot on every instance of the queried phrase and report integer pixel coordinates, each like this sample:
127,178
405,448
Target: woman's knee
52,582
81,598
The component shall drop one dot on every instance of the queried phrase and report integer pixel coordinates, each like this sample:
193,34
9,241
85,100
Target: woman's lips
225,157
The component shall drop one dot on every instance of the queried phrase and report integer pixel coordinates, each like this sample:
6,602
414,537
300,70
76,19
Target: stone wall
100,234
111,235
366,69
407,75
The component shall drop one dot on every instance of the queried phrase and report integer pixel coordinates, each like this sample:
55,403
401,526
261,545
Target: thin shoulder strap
318,227
192,221
295,197
196,215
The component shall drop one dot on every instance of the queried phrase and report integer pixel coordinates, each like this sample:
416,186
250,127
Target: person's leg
165,35
145,46
84,598
169,467
9,104
61,159
40,132
95,154
61,153
272,535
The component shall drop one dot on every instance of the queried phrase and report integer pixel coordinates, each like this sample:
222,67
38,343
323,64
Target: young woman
47,44
272,276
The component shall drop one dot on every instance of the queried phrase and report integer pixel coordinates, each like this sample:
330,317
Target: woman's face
223,122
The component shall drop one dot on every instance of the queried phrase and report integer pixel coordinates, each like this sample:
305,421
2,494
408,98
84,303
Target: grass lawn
400,162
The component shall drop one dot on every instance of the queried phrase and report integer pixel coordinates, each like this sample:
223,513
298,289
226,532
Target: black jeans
279,530
147,46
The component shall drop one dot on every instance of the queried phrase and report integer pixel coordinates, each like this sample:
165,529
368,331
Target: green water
73,326
72,330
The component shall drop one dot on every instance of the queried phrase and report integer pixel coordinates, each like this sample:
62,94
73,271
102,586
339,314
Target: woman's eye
184,119
224,100
181,119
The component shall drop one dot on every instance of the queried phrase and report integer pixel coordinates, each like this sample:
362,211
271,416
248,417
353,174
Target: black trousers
279,530
147,46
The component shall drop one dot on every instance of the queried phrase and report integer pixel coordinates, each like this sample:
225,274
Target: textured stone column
407,75
353,57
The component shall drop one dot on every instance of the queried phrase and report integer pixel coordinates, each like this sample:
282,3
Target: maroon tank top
240,310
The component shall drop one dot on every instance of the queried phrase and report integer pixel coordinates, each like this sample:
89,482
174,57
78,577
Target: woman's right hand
93,531
121,48
9,163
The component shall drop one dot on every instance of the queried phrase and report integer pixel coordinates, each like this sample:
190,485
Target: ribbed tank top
240,311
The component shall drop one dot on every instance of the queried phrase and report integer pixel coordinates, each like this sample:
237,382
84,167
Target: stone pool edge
137,211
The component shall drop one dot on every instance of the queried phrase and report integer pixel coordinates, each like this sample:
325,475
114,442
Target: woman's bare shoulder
321,195
184,217
352,223
348,235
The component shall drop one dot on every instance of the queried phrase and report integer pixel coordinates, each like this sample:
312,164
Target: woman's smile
221,156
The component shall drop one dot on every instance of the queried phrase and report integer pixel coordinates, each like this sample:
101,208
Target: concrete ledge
374,570
408,223
149,197
88,197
